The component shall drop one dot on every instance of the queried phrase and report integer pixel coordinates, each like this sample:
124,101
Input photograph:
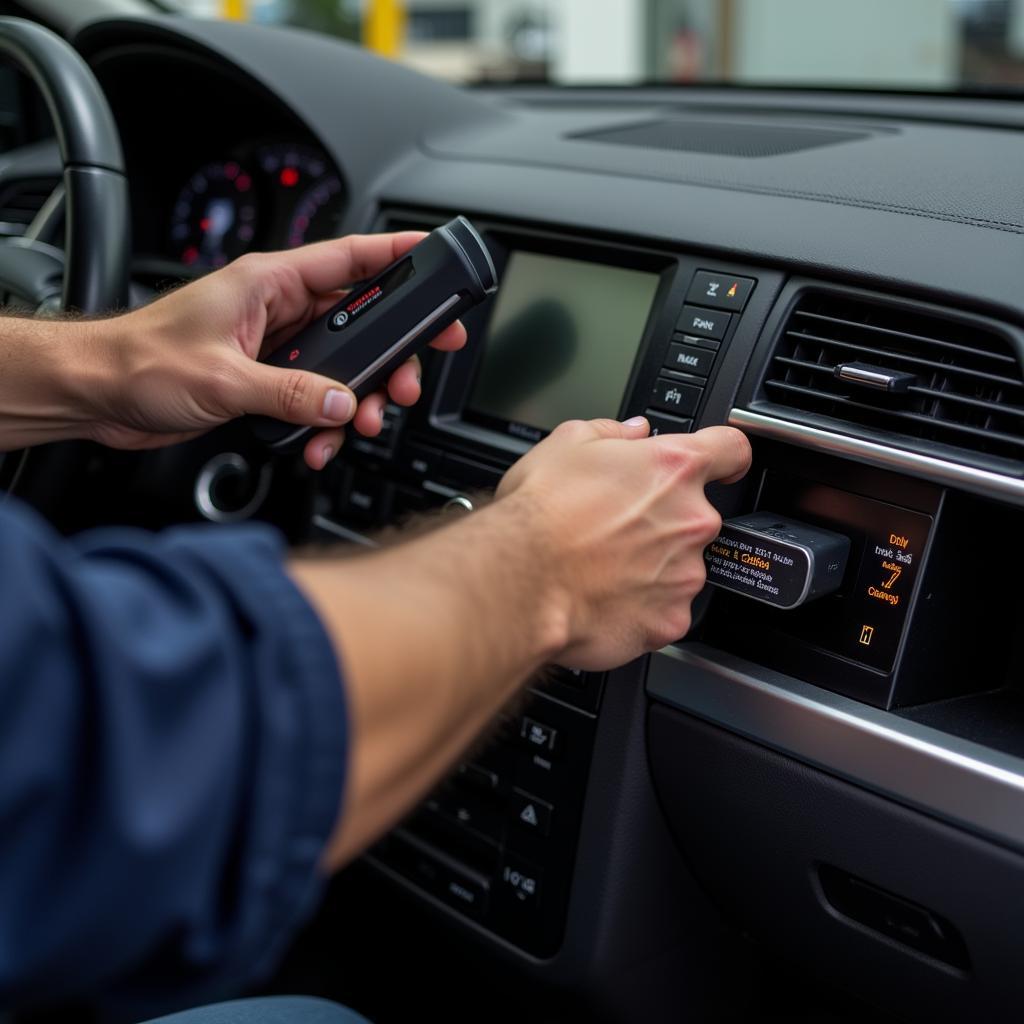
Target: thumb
295,396
628,430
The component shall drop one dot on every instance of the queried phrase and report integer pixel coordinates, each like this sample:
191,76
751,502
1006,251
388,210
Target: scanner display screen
560,344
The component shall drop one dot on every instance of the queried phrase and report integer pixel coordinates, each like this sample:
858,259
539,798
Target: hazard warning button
531,813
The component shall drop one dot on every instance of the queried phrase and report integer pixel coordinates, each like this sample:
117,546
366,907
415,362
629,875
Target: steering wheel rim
91,275
97,243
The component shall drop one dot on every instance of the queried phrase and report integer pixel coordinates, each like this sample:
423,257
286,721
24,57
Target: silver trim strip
940,471
948,777
410,335
342,532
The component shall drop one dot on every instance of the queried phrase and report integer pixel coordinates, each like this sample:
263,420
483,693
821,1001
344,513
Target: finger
295,396
451,339
404,385
726,451
323,447
327,266
631,428
369,416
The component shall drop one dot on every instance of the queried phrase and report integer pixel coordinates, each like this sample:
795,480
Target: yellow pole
384,27
234,10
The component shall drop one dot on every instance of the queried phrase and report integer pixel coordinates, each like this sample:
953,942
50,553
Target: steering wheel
90,275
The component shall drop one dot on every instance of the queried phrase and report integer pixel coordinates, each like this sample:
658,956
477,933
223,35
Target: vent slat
969,391
908,417
888,354
996,408
917,338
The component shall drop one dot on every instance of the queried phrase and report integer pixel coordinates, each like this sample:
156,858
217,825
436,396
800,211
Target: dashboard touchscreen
560,344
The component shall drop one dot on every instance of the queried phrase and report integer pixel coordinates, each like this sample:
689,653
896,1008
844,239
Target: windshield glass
945,45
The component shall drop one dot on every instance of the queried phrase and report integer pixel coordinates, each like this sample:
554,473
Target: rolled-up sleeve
172,758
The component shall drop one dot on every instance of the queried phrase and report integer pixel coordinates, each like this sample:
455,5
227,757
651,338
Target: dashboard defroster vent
21,201
721,138
901,371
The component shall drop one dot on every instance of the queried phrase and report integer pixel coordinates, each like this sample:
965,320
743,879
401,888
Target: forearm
48,371
435,636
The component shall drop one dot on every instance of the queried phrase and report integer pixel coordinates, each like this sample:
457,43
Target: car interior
811,807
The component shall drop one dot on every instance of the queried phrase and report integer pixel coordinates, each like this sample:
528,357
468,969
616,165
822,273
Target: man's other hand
187,362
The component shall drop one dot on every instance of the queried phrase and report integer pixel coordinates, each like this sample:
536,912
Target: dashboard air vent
21,201
902,372
720,138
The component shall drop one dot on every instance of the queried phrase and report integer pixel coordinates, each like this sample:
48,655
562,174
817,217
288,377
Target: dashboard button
692,339
672,396
722,291
690,359
666,424
364,498
708,323
538,736
462,890
418,461
478,777
531,813
522,881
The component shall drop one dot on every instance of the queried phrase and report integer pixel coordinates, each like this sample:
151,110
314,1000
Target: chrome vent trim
941,471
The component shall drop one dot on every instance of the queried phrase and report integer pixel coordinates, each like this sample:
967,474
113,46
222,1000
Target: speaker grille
720,139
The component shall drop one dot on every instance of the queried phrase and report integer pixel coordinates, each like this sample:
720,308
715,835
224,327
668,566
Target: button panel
496,842
720,290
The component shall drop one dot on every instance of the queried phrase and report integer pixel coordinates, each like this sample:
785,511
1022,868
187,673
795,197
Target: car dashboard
838,788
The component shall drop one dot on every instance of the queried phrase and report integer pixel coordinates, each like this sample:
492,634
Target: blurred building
897,43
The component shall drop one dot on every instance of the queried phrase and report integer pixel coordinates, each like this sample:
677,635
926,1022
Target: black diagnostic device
382,322
776,560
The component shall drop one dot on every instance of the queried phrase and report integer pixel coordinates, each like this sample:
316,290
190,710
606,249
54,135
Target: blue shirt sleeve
172,759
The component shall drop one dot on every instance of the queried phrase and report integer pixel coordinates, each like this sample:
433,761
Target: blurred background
955,45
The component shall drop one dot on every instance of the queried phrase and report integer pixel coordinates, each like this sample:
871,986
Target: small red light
243,182
204,224
190,255
293,355
289,177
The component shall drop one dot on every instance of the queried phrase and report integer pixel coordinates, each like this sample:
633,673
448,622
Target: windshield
944,45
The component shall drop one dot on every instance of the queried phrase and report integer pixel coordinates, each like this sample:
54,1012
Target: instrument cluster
270,196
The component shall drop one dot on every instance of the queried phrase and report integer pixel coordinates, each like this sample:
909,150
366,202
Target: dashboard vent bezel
21,201
903,422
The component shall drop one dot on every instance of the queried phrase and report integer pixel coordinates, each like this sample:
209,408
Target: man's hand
187,362
623,520
591,556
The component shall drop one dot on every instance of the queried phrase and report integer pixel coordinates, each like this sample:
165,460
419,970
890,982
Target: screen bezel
449,413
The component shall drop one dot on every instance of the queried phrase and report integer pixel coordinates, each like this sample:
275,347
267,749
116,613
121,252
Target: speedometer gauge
317,213
308,191
214,216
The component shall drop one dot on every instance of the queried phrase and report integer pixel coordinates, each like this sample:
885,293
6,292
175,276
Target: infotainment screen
560,344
